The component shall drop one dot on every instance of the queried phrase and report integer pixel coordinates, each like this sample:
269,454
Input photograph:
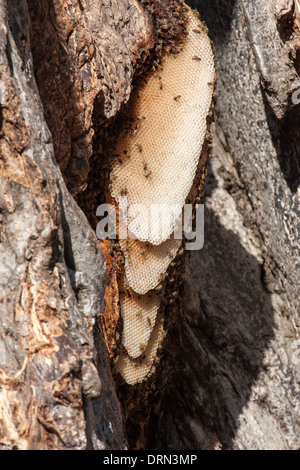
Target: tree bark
229,375
235,349
56,389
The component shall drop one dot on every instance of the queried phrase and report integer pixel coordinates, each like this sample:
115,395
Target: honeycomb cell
160,149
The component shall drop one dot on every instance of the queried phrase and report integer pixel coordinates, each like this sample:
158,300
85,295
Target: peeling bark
52,278
86,58
229,375
234,353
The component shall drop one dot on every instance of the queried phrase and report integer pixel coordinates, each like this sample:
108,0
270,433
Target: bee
177,98
148,172
159,46
195,57
197,31
163,277
124,191
149,322
140,148
140,119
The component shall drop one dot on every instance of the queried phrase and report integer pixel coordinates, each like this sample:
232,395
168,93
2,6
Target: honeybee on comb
175,103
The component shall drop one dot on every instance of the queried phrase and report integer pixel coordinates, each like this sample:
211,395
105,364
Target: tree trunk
229,375
235,349
57,390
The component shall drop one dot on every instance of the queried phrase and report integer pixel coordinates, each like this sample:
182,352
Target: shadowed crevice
285,135
217,15
218,344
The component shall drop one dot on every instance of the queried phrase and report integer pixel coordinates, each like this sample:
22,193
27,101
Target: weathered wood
230,373
85,59
52,277
234,353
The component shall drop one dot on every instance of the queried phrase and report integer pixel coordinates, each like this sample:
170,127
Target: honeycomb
145,264
159,151
154,164
136,371
139,314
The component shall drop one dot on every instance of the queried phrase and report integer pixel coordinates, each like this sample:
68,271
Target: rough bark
235,349
52,277
232,375
85,59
